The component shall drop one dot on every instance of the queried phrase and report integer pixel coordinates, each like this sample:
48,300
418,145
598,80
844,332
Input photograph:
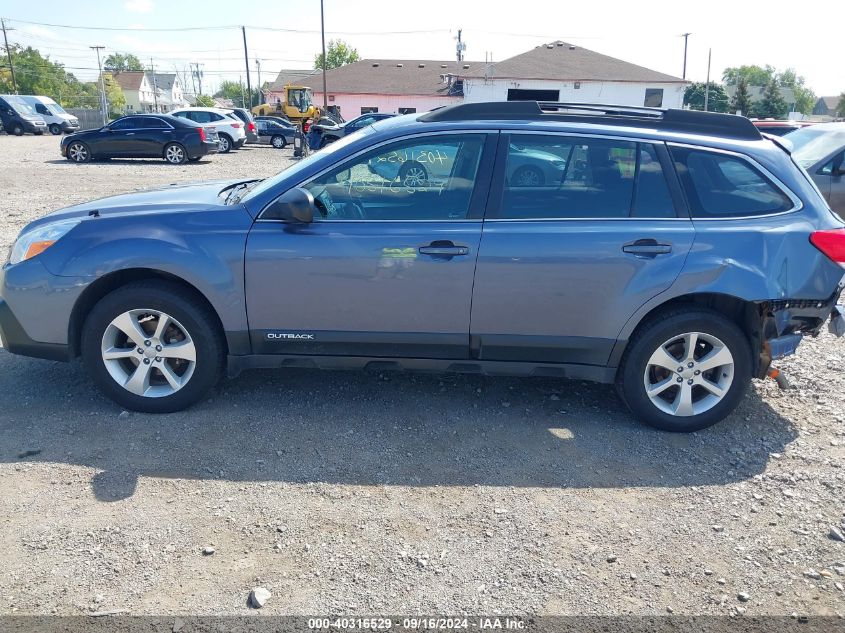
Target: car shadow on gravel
130,162
304,426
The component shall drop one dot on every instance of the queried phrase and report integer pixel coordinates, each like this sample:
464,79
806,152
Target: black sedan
142,136
274,133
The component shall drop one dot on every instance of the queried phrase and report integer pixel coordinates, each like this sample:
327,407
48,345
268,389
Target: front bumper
69,127
15,339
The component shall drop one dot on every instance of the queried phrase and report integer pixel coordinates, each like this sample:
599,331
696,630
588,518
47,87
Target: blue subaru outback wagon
673,254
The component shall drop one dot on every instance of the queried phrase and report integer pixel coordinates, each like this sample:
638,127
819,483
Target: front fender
204,248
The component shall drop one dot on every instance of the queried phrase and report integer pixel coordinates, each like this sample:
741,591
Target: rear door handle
443,248
647,248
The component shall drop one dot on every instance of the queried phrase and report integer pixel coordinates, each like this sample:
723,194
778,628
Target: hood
80,134
176,198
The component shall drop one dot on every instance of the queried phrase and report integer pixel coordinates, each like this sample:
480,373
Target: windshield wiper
238,191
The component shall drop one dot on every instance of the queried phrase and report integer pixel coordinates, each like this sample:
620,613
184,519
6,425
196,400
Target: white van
54,115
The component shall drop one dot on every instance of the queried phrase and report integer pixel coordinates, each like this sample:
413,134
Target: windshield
305,163
55,107
20,105
818,146
801,137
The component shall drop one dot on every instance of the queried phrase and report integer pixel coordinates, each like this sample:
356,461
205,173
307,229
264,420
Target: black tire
278,141
175,154
55,129
528,176
409,169
189,310
78,152
651,336
226,143
327,140
16,129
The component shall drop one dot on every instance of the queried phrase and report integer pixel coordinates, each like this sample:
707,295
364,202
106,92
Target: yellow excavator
297,105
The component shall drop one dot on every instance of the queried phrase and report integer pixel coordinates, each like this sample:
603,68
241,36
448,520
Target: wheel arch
747,315
117,279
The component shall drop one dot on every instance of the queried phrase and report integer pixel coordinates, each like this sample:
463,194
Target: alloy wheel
224,144
527,177
689,374
78,152
174,154
148,353
414,177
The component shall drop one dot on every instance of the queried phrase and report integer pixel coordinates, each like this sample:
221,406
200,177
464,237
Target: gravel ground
361,493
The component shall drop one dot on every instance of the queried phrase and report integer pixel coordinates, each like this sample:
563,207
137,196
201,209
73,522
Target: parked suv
249,124
230,129
672,253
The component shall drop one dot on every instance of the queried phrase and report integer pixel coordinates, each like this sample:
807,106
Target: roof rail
687,121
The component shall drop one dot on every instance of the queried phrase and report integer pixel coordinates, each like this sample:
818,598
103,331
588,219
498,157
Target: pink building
399,86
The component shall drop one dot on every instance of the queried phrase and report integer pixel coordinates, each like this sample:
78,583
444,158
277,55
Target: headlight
39,239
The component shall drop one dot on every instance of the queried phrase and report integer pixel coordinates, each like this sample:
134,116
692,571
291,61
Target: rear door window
568,177
721,185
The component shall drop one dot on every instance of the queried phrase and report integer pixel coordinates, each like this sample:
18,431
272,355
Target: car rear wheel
278,142
152,347
55,129
686,370
225,143
175,154
78,152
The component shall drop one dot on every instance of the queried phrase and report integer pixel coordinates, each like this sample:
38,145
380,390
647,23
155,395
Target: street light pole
260,96
707,85
686,41
103,103
323,35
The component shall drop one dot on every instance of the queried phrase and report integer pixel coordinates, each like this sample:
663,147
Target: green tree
841,107
754,75
717,99
338,53
114,95
237,92
772,105
805,98
204,101
741,101
122,62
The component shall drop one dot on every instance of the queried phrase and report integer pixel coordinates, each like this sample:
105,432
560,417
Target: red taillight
202,135
251,126
235,125
831,243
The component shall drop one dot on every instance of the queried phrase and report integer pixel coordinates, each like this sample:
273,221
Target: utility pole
323,35
104,104
707,85
199,77
155,85
460,47
258,64
246,59
686,41
9,55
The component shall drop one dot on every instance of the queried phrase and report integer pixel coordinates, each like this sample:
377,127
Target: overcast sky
649,34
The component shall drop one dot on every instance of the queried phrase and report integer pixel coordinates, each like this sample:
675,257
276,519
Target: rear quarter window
719,185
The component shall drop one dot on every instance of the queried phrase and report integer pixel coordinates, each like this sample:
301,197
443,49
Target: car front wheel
78,152
686,370
152,347
55,129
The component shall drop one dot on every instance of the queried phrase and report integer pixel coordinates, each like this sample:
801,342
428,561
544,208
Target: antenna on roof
461,46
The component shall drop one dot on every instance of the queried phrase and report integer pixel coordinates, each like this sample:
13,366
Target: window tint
652,198
718,185
126,123
155,124
200,117
424,179
568,177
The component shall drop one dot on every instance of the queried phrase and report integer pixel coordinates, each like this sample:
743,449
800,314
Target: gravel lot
362,493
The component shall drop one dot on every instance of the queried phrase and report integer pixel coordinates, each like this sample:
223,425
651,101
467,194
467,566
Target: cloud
139,6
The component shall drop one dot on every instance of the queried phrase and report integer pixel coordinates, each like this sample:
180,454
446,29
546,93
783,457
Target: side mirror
295,205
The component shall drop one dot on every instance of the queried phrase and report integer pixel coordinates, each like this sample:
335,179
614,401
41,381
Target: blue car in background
672,254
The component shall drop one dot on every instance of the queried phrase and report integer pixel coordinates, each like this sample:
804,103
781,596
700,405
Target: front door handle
444,248
647,248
